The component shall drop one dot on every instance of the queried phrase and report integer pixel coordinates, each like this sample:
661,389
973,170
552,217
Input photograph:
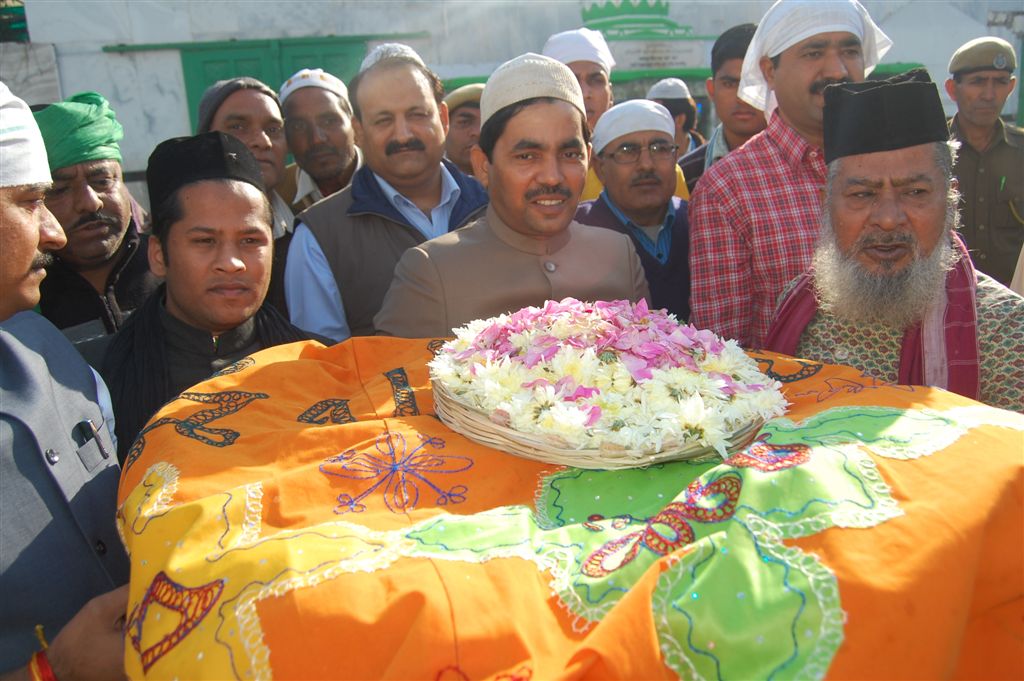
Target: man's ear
442,111
768,71
481,166
709,85
951,88
157,262
597,163
357,131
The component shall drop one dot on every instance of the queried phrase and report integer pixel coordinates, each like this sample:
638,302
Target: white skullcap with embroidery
628,117
582,44
22,151
787,22
526,77
312,78
669,88
390,51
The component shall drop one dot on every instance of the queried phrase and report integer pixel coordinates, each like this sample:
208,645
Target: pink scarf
941,350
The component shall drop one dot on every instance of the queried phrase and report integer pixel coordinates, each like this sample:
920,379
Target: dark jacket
363,236
669,282
693,166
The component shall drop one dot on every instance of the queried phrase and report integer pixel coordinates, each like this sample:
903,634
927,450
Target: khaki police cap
464,95
983,54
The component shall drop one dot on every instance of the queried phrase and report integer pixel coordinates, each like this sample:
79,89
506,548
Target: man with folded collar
63,569
892,290
212,244
532,157
102,274
343,256
634,155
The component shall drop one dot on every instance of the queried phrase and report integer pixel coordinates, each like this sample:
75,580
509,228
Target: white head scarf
788,22
582,44
22,152
635,115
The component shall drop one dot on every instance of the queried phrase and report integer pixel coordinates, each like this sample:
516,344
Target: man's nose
87,200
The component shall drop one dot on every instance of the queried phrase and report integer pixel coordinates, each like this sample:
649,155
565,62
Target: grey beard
847,290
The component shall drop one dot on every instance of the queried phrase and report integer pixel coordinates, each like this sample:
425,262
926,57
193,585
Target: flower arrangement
606,375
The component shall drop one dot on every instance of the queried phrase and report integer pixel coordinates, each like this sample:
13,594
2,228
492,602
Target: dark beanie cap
882,115
211,156
221,90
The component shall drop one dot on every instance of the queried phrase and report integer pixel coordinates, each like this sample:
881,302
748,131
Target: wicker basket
476,426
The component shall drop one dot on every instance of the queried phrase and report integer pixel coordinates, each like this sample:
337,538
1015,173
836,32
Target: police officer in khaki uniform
990,167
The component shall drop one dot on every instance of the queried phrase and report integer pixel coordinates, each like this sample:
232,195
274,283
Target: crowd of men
832,217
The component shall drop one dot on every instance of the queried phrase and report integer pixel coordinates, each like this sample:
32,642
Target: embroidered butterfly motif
399,471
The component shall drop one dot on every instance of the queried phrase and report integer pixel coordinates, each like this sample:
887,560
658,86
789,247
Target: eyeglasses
628,153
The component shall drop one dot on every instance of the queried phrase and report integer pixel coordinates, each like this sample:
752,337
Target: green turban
81,128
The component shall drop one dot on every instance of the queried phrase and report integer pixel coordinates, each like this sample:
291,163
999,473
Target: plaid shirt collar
795,150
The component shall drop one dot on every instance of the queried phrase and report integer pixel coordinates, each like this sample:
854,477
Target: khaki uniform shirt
992,200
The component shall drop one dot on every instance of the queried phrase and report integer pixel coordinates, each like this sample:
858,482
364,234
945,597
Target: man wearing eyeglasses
532,157
634,157
318,127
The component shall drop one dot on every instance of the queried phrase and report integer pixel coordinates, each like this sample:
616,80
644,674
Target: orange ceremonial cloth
305,515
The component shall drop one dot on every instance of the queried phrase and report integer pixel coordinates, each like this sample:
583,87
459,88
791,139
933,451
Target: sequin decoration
333,410
405,399
399,471
669,529
769,458
193,604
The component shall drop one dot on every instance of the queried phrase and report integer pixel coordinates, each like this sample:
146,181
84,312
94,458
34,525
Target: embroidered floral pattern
399,471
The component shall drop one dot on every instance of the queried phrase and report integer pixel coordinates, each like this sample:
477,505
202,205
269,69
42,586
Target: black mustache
818,86
94,217
645,175
396,147
42,260
557,189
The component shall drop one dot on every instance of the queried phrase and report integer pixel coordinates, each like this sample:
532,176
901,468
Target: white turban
632,116
390,51
22,152
312,78
526,77
787,22
583,44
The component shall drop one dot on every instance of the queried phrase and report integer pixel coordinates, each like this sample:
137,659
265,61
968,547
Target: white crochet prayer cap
787,22
582,44
390,51
22,152
669,88
628,117
312,78
525,77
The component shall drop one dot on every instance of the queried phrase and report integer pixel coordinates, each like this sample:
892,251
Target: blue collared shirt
663,247
437,223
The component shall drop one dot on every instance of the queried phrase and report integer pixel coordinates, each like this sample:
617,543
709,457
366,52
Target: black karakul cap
210,156
882,115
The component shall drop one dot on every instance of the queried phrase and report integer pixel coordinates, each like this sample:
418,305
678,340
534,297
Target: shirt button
550,266
841,353
981,199
981,256
981,228
100,547
981,170
52,457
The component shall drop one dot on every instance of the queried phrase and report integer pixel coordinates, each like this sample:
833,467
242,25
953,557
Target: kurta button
550,266
981,199
52,457
100,547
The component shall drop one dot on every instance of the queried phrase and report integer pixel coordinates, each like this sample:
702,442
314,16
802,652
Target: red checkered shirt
753,225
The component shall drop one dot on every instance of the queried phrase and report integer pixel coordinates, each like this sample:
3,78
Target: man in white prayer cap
62,563
532,157
318,127
674,95
754,214
586,54
634,156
